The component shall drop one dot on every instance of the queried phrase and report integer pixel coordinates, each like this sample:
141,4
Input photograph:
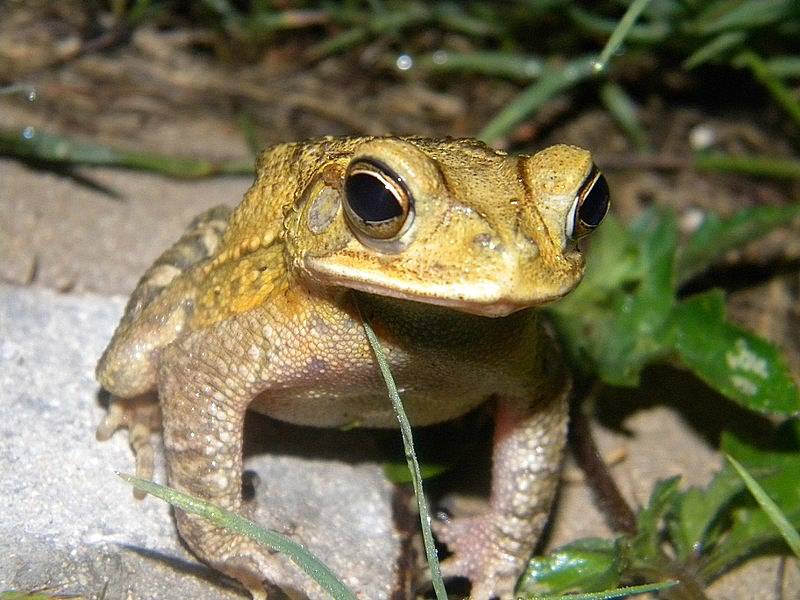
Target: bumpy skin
261,310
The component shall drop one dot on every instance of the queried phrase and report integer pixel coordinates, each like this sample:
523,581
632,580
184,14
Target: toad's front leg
492,549
206,383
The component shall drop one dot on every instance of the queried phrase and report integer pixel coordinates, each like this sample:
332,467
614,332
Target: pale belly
332,409
445,364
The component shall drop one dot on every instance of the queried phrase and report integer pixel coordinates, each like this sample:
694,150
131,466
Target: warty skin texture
261,309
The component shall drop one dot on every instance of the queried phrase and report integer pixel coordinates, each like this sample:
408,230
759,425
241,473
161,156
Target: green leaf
751,531
735,362
586,565
774,513
717,236
584,318
655,296
698,510
623,592
612,263
639,318
617,320
624,315
775,467
397,472
645,546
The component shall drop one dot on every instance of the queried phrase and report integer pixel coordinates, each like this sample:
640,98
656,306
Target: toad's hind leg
153,317
206,383
492,549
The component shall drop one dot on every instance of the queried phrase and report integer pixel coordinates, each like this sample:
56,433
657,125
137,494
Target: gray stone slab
64,234
70,524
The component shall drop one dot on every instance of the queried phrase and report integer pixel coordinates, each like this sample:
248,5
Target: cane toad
444,245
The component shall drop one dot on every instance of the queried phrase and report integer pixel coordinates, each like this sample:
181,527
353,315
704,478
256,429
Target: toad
445,245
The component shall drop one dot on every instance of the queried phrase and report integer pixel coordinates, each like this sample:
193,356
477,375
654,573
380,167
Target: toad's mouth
489,298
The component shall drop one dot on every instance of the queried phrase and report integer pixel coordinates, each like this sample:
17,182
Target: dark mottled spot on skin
317,365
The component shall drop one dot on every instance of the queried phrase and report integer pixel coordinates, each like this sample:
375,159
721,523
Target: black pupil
595,204
371,199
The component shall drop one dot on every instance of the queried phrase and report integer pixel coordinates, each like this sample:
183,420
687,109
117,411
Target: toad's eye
377,203
590,206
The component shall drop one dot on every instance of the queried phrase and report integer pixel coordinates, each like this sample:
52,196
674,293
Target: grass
234,523
413,463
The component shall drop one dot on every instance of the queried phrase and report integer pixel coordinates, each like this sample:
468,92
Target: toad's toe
141,416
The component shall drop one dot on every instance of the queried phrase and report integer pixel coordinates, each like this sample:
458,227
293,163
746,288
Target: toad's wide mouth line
484,298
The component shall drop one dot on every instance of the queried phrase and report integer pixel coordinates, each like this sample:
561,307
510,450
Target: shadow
102,398
739,276
205,573
193,568
708,413
70,172
445,443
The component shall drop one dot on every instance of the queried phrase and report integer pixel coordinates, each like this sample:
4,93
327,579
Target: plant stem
584,449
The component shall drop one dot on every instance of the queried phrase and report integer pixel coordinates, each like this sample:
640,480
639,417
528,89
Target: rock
69,524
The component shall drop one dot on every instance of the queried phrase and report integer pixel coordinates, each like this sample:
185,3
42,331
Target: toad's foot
264,573
141,416
489,552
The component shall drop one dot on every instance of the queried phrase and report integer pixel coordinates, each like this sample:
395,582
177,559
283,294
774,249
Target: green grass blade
299,555
761,71
620,33
529,100
625,113
715,48
775,514
413,465
41,146
389,23
749,14
757,166
647,34
494,64
450,16
715,236
622,592
784,67
338,43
